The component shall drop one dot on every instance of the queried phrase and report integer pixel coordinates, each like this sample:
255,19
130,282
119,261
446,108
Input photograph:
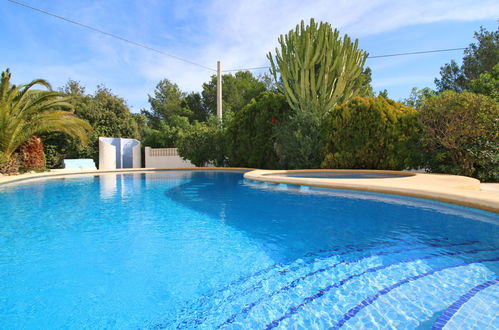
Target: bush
31,155
204,144
461,135
11,166
28,157
371,133
167,135
250,135
299,142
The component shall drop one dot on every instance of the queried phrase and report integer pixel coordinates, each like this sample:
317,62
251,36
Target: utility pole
219,91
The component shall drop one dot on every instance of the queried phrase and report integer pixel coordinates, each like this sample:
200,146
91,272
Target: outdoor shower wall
119,153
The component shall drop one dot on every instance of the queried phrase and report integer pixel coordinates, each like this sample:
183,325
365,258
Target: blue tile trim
368,301
295,282
352,312
454,308
324,253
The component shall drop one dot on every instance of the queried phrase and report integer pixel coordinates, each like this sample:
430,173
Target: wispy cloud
239,33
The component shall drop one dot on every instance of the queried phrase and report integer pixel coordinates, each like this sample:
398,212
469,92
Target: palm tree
25,112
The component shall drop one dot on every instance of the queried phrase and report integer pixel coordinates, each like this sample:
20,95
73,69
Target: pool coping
447,188
454,189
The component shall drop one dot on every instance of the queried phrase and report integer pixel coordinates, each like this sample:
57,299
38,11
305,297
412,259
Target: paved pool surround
453,189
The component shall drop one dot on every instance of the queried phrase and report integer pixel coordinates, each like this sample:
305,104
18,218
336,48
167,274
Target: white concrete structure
119,153
165,158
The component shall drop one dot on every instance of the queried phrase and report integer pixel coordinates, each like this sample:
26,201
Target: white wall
119,153
164,158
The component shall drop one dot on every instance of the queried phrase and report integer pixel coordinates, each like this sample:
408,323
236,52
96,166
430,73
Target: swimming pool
189,249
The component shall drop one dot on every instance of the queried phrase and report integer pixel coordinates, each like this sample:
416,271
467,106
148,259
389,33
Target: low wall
164,158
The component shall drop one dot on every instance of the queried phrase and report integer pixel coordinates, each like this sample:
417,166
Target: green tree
318,69
478,58
461,134
167,101
250,135
299,141
204,144
487,83
371,133
237,91
418,96
25,112
107,113
167,135
195,103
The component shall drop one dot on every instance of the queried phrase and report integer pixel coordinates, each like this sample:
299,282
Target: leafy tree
107,113
299,142
167,101
487,83
204,144
195,103
25,112
478,58
371,133
318,69
237,91
461,134
167,135
452,78
250,135
418,96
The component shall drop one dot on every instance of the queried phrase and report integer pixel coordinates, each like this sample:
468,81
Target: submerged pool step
284,284
415,299
355,285
476,309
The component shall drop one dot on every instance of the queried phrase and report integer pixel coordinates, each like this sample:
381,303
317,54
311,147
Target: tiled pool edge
452,189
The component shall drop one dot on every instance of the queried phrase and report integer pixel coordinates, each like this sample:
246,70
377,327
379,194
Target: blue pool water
180,249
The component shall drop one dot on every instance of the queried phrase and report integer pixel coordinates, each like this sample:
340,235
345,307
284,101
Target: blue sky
239,33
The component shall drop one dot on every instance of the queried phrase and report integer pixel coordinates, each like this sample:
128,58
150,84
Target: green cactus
318,69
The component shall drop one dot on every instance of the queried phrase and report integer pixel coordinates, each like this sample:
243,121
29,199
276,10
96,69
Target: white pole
219,91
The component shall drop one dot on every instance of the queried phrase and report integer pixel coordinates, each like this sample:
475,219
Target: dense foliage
204,144
371,133
478,58
238,90
461,135
31,156
25,112
299,141
250,135
107,113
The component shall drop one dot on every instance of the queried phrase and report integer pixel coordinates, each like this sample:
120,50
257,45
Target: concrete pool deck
441,187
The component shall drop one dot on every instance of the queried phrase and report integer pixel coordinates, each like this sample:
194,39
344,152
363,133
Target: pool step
339,295
281,286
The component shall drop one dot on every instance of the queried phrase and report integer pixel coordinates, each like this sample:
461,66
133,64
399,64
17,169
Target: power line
369,57
421,52
194,63
111,35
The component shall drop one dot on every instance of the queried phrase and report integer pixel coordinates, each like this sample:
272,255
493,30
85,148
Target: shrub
167,135
371,133
299,141
31,155
11,166
203,144
250,140
461,135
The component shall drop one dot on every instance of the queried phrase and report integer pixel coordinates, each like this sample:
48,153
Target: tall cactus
317,68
